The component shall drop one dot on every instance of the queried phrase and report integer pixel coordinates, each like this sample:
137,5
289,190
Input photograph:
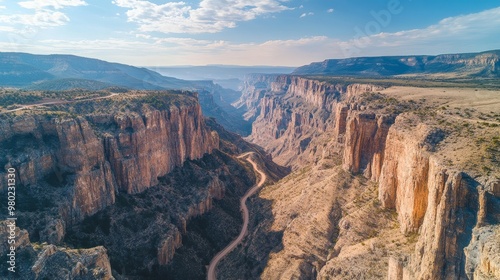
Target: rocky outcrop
151,144
483,254
446,227
255,87
439,203
34,261
167,247
404,178
365,136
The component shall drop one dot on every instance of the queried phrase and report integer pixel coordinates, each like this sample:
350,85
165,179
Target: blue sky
246,32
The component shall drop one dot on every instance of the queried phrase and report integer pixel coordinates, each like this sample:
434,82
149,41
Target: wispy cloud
455,34
210,16
46,14
449,34
56,4
41,19
306,14
330,10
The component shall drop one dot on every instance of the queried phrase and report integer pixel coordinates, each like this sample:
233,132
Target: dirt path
213,264
58,102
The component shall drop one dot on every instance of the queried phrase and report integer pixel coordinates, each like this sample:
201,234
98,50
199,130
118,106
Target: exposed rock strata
254,88
69,168
299,110
133,151
483,254
438,204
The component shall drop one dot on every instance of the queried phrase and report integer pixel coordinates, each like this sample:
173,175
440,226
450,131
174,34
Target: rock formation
52,262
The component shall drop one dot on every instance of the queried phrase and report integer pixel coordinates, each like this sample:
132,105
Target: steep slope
432,162
484,64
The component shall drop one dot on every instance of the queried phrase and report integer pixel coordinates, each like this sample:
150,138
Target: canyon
363,178
135,167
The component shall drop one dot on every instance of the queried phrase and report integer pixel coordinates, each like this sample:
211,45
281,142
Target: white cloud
306,14
56,4
209,17
450,35
41,19
330,10
46,14
7,29
144,36
468,33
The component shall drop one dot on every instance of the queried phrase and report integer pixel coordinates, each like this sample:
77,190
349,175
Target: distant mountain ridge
66,72
23,69
484,64
219,72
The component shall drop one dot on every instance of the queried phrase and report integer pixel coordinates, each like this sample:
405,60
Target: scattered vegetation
77,102
413,82
18,98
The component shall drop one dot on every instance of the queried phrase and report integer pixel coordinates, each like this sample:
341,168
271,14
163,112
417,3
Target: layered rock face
95,156
365,136
483,254
439,204
125,176
254,88
152,144
299,110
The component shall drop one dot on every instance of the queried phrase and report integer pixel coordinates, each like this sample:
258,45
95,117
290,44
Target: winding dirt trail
243,207
24,107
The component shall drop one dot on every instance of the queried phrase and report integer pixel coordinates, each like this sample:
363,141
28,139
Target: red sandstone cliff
95,156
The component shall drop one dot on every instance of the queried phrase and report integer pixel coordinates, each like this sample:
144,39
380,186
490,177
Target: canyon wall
254,88
89,159
294,111
301,120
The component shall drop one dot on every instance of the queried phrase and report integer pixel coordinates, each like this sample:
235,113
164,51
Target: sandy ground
485,101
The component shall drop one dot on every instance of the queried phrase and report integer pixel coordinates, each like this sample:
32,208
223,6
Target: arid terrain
393,177
384,178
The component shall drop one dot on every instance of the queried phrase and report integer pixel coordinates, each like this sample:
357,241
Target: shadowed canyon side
215,261
401,181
